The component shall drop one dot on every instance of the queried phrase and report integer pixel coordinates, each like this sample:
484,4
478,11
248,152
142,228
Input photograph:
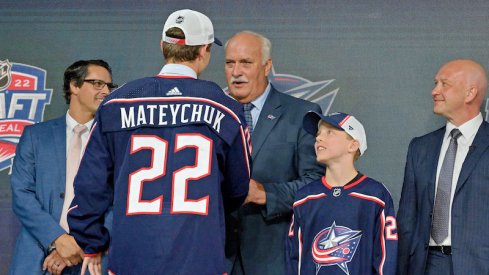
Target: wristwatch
51,248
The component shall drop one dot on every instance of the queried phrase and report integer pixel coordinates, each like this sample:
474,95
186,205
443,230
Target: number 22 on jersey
180,204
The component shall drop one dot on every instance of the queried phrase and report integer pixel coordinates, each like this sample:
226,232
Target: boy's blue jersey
169,155
343,230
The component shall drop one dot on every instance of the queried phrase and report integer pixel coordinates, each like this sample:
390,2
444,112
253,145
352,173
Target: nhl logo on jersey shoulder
337,192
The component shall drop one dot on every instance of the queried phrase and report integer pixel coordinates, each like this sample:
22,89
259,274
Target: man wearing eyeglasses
46,161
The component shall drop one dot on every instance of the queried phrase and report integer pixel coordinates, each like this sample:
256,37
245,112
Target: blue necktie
439,230
247,107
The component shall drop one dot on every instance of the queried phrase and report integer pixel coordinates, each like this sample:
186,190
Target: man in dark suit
39,173
283,158
442,230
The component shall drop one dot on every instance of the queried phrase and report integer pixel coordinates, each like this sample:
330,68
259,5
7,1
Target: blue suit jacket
283,161
38,184
470,208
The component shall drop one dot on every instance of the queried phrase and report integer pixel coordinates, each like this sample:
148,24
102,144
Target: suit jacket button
62,195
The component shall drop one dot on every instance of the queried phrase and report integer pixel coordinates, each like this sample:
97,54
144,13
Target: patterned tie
247,107
439,230
72,163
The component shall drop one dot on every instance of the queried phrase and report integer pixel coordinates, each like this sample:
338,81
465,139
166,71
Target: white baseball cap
196,26
341,121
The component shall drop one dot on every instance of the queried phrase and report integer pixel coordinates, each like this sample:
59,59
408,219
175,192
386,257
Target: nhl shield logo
23,97
5,76
337,192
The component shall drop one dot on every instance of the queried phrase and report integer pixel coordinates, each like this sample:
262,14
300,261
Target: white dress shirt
469,130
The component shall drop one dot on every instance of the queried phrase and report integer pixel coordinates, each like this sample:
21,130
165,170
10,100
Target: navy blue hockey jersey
170,154
342,230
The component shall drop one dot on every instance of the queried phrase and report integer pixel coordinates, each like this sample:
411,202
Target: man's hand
94,264
54,263
256,194
68,249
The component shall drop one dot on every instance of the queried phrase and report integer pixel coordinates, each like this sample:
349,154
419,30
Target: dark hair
176,52
78,71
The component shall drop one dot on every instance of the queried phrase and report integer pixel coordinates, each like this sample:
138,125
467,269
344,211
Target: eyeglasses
100,84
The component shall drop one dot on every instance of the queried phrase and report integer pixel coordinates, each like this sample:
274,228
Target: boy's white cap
196,26
341,121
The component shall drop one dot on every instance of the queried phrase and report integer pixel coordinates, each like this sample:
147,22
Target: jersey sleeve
385,243
293,245
93,194
237,172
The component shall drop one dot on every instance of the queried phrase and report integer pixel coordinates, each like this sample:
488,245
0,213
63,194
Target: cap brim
217,41
311,121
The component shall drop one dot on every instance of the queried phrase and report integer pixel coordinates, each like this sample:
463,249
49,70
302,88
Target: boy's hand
93,263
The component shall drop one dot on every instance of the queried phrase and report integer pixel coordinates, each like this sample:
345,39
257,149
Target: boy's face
333,144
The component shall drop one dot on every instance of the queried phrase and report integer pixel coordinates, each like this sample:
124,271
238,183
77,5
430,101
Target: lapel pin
270,117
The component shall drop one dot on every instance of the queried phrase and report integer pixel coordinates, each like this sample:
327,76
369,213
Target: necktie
439,230
247,107
72,163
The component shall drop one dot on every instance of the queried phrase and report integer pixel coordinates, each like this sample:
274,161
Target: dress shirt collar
260,101
71,123
468,129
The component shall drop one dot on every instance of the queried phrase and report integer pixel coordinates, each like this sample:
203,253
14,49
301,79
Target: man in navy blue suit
38,181
442,230
283,158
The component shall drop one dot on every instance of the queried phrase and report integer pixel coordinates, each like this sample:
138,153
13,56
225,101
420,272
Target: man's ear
203,51
73,88
268,66
471,94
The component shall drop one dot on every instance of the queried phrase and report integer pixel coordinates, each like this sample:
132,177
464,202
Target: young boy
343,223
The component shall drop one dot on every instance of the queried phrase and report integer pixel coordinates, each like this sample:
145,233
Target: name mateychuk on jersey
169,114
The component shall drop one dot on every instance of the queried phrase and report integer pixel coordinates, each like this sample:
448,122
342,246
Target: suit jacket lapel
477,149
269,116
434,154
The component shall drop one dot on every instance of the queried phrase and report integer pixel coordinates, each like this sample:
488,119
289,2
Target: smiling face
449,91
87,98
459,91
333,145
246,73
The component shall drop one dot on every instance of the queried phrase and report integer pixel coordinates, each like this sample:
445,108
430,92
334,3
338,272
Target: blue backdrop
374,59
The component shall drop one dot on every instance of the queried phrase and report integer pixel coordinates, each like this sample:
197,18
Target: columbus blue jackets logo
23,97
305,89
335,245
